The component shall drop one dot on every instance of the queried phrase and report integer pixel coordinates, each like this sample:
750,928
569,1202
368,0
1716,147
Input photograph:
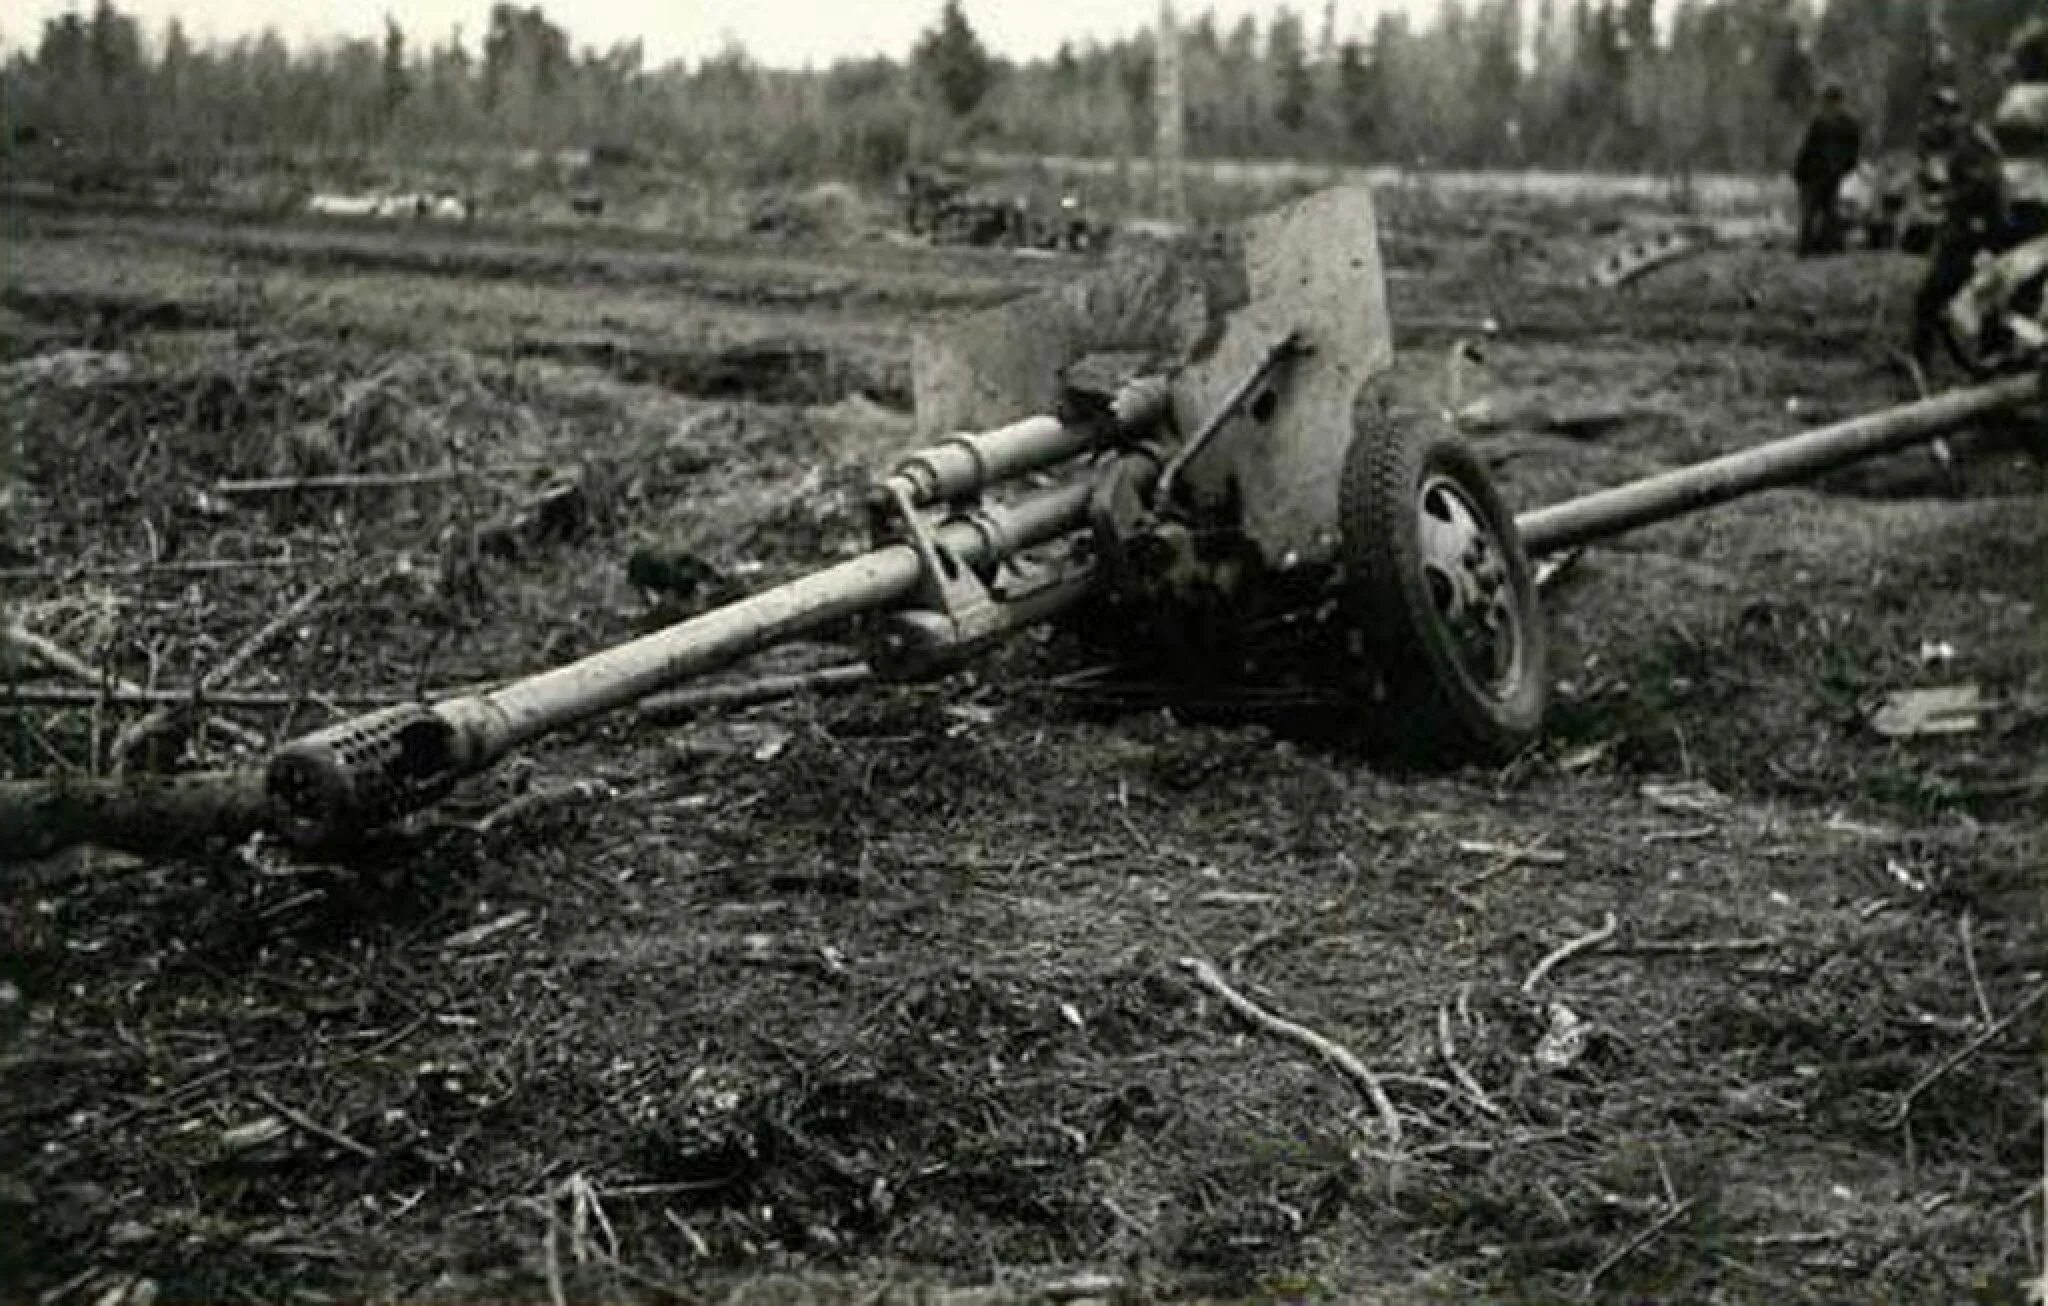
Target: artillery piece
1232,492
1207,447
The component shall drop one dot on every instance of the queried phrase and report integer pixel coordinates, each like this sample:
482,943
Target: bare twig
538,801
552,1255
1259,942
139,732
1339,1056
1082,1286
1680,836
476,934
1960,1055
1635,1242
372,480
302,1121
1509,857
1970,964
188,567
1696,947
745,693
1458,1071
187,695
58,658
1549,571
1566,951
1914,372
586,1212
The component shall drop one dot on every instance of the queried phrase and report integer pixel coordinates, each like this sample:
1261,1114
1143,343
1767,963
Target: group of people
1991,181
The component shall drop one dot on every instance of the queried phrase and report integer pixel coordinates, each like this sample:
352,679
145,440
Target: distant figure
1829,152
1960,161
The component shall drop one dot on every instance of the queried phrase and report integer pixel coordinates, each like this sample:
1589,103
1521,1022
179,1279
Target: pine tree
396,83
951,62
1287,58
1354,95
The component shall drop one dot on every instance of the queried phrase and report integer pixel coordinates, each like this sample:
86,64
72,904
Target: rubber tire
1977,365
1433,712
1974,365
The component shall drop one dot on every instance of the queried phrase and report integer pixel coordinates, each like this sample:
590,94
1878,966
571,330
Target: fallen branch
551,1263
1635,1243
135,734
1515,854
538,802
1549,571
138,814
372,480
551,1256
1508,858
306,1124
1970,964
1339,1056
487,931
1686,835
1458,1071
190,695
683,703
1959,1056
1697,947
1566,951
60,659
1082,1287
189,567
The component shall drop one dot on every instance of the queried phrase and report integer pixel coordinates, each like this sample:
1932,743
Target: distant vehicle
924,193
939,203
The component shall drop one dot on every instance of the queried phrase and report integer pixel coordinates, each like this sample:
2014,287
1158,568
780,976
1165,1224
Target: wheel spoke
1468,585
1447,530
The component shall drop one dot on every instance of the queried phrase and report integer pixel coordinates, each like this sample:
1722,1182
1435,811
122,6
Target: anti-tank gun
1233,474
1207,450
1230,490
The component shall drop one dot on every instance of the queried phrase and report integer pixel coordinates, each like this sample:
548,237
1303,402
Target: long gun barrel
931,580
369,770
1688,489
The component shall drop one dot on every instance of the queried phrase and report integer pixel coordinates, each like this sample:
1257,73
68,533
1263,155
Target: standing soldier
1827,153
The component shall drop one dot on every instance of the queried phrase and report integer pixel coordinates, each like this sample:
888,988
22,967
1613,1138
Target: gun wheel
1442,591
1993,352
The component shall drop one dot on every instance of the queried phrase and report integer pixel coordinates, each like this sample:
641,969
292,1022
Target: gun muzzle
339,783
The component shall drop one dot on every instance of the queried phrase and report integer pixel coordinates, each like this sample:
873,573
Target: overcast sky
787,33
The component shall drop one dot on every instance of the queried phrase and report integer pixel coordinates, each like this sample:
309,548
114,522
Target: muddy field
886,995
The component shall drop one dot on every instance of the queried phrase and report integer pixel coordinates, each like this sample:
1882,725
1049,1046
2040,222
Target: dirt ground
884,995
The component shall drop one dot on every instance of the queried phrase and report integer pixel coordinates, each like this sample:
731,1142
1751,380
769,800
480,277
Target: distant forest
1718,85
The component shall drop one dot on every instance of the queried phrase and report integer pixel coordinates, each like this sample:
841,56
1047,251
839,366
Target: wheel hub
1466,572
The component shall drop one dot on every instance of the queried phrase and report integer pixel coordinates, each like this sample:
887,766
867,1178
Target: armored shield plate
1004,364
1312,269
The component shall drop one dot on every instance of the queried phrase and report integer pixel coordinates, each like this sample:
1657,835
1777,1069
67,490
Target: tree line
1604,84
